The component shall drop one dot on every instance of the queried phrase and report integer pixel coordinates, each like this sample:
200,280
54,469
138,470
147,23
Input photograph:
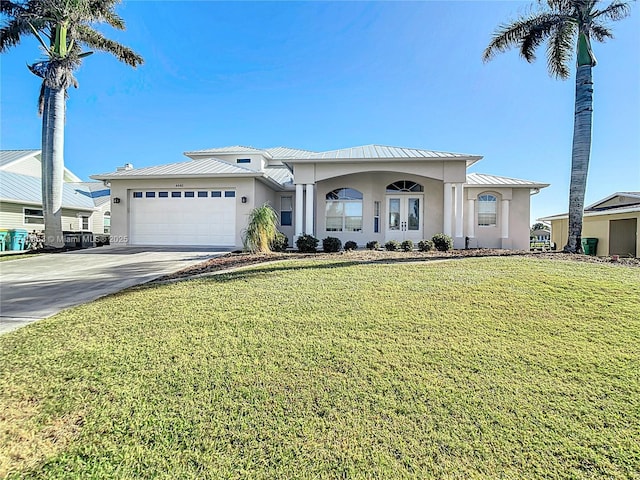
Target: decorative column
459,211
448,200
299,227
505,219
309,210
471,218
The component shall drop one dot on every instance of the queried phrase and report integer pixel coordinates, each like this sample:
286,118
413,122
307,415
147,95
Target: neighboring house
84,204
614,221
362,194
540,235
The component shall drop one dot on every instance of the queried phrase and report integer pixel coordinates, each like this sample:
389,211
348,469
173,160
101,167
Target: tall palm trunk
580,155
53,164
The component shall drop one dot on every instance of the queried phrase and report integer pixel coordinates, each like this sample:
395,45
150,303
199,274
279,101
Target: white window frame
487,202
80,223
25,215
106,216
290,210
345,202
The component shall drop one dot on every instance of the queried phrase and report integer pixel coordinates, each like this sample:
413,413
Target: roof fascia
39,204
470,160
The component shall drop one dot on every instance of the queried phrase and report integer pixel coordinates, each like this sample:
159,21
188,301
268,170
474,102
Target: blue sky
327,75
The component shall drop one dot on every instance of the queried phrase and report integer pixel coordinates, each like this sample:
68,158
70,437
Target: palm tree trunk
53,164
580,156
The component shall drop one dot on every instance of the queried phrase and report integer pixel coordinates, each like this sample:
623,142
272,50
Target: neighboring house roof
632,195
540,232
485,180
17,188
596,209
95,190
11,157
7,157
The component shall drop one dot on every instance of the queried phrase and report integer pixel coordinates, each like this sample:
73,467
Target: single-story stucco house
362,194
85,205
614,221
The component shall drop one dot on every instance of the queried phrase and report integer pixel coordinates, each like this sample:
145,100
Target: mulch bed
236,260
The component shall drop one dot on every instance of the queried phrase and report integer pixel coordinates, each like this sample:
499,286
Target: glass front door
404,217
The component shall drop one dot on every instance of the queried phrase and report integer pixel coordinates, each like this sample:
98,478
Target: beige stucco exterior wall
450,171
12,216
373,187
121,188
593,226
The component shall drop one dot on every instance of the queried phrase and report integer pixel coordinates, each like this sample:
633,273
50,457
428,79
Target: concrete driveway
38,287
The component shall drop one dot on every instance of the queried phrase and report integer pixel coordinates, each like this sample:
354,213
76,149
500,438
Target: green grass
480,368
16,256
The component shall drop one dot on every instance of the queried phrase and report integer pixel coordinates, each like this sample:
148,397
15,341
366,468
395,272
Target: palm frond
560,50
526,33
615,11
97,41
12,32
600,32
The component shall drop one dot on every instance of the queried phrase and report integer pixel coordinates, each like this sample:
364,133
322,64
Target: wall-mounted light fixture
116,200
243,199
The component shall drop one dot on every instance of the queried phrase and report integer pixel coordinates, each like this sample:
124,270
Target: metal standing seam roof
225,150
18,188
387,152
483,179
209,166
9,156
281,175
286,153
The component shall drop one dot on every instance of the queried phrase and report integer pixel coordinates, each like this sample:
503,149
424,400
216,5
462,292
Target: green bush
350,245
392,246
280,243
442,242
331,244
307,244
407,245
373,245
425,245
261,229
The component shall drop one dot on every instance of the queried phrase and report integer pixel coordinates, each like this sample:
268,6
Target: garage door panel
182,220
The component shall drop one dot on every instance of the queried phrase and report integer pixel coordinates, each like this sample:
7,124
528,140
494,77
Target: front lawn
476,368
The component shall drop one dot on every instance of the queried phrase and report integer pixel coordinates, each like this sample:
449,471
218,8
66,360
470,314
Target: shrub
407,245
425,245
280,242
331,244
442,242
392,246
261,229
373,245
307,244
350,245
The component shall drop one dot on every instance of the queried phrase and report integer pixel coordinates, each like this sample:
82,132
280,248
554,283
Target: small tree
261,230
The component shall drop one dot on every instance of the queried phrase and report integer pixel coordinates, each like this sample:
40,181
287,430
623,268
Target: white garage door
183,217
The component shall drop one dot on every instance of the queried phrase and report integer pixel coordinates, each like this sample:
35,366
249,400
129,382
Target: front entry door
404,217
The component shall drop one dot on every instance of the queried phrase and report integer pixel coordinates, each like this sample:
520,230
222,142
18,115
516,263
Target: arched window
487,210
404,186
343,211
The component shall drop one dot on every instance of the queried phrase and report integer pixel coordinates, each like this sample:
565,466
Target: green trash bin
590,246
4,239
17,239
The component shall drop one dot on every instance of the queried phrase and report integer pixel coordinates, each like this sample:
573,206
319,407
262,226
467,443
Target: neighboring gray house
366,193
85,205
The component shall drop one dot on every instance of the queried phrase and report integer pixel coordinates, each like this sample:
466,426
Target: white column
448,200
471,218
459,212
299,228
505,219
309,210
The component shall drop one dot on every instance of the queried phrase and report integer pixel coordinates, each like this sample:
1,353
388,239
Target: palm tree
568,26
63,28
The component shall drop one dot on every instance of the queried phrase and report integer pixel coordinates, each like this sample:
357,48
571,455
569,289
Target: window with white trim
33,216
286,211
84,222
376,217
343,211
107,222
487,210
